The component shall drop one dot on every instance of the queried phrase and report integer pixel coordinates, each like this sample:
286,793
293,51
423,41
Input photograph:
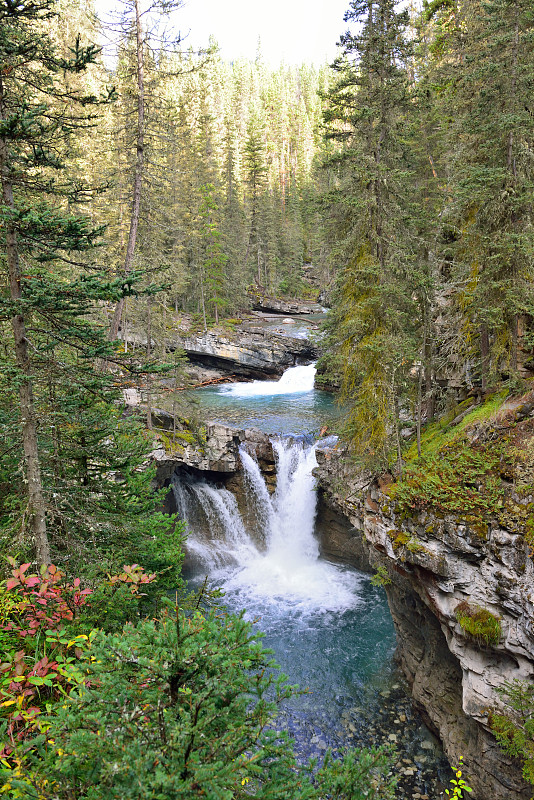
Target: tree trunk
484,355
202,301
139,171
149,377
397,430
36,501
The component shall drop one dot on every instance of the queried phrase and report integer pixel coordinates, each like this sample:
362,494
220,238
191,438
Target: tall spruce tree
377,314
39,112
492,179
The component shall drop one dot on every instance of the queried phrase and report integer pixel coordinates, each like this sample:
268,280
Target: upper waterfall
294,379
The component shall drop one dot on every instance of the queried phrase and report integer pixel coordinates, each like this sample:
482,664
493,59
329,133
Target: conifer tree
212,272
490,207
255,176
39,112
377,315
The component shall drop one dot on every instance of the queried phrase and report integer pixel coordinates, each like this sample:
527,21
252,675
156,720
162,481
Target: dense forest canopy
169,182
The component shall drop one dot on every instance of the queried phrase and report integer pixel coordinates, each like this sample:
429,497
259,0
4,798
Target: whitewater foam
294,380
284,568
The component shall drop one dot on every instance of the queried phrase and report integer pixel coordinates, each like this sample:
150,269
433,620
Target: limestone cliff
253,353
279,306
216,455
435,562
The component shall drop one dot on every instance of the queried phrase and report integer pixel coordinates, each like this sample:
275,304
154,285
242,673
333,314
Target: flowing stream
290,406
330,629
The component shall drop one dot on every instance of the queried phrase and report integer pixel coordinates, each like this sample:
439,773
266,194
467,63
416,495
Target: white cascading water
206,507
284,568
294,380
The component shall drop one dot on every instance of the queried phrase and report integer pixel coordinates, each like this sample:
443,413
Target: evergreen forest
151,188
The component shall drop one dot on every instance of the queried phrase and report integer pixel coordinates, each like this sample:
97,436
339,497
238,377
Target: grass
453,474
440,433
479,623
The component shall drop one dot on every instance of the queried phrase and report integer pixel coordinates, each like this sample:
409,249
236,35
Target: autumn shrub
44,642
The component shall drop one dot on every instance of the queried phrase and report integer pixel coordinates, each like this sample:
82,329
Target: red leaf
12,582
32,580
23,568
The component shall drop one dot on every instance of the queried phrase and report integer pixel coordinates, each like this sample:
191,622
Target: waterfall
217,534
281,565
293,381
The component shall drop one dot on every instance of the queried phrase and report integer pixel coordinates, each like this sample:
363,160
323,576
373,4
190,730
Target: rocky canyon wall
431,564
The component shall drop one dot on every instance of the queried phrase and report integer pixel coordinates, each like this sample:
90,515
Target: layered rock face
217,455
434,564
254,354
277,306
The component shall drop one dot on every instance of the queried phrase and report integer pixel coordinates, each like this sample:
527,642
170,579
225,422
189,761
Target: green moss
479,623
455,475
404,539
438,434
174,442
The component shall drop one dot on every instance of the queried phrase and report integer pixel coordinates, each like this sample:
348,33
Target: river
329,627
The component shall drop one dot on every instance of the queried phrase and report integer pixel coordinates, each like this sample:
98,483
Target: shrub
459,786
515,730
184,707
42,645
479,623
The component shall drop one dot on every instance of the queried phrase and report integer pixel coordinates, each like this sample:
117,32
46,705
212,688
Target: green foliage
454,475
515,729
479,623
459,786
358,775
181,706
438,434
459,479
42,650
376,329
381,577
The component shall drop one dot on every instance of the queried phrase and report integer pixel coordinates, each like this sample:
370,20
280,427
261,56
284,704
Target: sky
295,31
